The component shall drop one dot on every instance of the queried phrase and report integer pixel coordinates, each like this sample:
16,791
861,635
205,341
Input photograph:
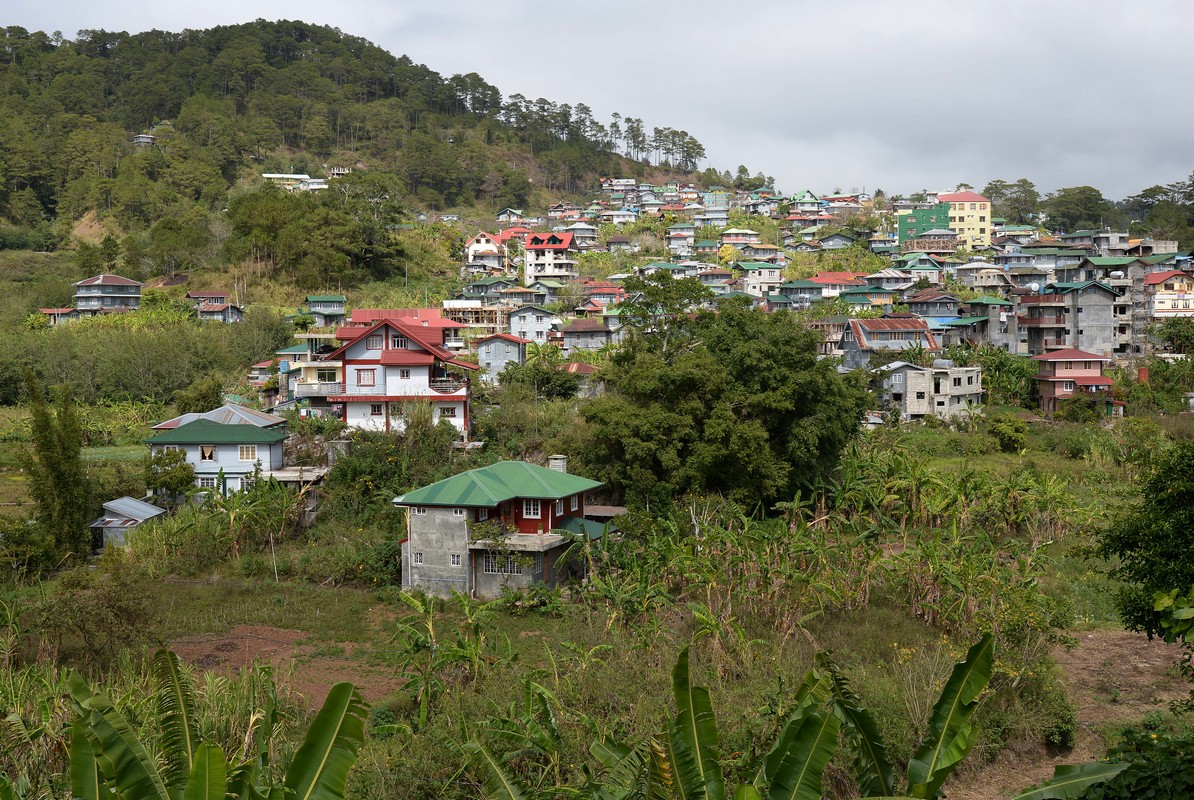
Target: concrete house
1073,316
532,323
942,390
496,352
505,525
584,334
549,255
225,457
933,303
107,294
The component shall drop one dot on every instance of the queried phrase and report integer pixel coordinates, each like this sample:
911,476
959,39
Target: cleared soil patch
298,665
1112,677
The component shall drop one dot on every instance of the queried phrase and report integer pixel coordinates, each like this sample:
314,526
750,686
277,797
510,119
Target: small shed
120,516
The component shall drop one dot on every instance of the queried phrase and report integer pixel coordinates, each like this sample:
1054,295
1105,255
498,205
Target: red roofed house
58,315
107,294
1170,294
391,365
549,255
834,283
1066,373
443,331
895,335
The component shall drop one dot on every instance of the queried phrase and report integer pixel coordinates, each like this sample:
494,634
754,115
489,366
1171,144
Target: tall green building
914,223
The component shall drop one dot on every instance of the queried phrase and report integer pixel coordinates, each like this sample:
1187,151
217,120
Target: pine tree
57,481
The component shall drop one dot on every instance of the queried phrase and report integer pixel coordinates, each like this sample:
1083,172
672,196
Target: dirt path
1112,677
299,666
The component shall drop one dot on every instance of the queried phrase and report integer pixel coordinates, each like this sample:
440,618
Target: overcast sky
892,94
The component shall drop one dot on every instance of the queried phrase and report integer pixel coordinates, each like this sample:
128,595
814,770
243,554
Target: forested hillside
229,103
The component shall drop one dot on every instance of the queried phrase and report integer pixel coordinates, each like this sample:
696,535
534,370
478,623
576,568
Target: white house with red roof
392,364
834,283
107,294
1170,294
1065,373
549,255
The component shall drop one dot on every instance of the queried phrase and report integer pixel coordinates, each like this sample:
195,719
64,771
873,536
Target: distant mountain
226,104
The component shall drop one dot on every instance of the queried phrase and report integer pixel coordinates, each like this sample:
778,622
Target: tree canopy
734,402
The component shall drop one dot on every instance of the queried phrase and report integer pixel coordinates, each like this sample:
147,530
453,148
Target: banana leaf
950,737
319,770
694,742
1071,782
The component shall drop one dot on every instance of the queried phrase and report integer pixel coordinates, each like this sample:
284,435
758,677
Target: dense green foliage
1152,541
57,481
734,402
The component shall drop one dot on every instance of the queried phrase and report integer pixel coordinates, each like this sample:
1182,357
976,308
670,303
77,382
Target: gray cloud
897,95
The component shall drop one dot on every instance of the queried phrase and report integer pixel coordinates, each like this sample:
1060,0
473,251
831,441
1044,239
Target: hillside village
954,274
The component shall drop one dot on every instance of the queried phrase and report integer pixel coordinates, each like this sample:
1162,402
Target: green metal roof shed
203,431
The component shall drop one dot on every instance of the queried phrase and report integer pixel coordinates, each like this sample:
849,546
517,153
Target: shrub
1010,432
1159,768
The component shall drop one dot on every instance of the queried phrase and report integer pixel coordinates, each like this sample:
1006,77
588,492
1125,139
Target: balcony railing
316,389
1057,321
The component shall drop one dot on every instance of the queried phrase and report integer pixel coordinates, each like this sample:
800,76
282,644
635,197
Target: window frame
369,374
207,452
530,503
374,342
242,449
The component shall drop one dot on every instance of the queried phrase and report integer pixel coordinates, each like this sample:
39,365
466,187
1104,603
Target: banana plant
109,762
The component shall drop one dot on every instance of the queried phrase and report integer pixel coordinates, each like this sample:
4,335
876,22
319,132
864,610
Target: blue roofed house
509,524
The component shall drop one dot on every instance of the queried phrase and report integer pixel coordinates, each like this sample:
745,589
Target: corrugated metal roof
204,431
132,508
488,486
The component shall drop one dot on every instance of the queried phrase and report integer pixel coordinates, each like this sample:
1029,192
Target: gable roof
326,298
1157,278
488,486
108,280
227,414
1069,355
415,334
204,431
961,197
509,337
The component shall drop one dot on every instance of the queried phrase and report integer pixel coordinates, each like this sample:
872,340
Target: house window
375,409
957,381
458,512
530,509
920,395
366,377
447,411
373,342
207,452
247,452
417,558
404,374
559,508
456,559
1085,365
325,375
482,514
1067,386
246,484
207,483
419,511
575,504
897,378
397,342
539,335
170,448
500,564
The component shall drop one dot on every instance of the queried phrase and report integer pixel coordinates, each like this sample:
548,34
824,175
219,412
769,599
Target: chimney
558,463
1142,375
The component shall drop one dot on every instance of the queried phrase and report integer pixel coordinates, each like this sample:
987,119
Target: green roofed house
328,309
227,457
508,524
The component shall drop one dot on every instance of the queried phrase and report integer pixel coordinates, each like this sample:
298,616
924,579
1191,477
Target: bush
1160,766
94,614
1010,432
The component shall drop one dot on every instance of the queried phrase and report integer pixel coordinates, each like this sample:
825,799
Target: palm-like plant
109,762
